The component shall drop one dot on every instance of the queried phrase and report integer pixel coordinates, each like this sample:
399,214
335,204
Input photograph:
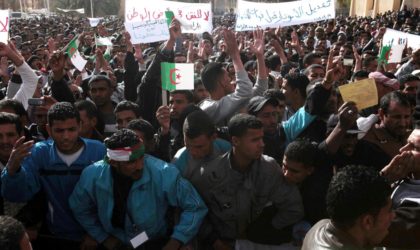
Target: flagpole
65,47
91,8
164,97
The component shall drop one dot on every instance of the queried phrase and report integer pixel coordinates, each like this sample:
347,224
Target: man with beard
395,120
127,195
53,166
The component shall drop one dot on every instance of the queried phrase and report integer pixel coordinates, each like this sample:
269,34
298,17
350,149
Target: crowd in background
249,159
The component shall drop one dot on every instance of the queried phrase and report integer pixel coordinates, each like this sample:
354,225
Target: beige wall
373,7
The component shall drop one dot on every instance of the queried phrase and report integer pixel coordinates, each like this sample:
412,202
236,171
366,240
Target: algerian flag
72,50
176,76
393,45
384,54
103,41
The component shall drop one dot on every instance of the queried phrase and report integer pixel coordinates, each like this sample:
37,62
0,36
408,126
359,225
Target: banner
94,21
271,15
146,18
4,26
80,11
148,31
393,44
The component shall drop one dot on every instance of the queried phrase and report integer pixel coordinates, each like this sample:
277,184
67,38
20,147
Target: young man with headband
123,200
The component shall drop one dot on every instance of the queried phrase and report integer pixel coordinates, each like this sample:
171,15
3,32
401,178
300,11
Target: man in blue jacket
53,166
123,200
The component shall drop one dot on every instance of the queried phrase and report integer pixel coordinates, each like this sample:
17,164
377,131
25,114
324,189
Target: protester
286,78
359,205
141,188
53,166
13,235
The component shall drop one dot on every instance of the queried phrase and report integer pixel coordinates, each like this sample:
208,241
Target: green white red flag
177,76
72,50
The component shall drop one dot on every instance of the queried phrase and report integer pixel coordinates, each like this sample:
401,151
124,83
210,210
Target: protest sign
94,21
4,26
144,19
393,44
148,31
271,15
363,93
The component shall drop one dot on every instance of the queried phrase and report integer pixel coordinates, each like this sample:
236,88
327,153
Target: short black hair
360,74
366,61
11,233
16,105
88,106
274,93
298,81
240,123
143,126
309,58
273,61
211,74
407,78
128,105
354,191
8,118
302,151
187,93
312,66
122,138
394,96
198,123
97,78
62,111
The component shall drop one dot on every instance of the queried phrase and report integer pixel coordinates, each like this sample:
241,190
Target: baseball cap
258,102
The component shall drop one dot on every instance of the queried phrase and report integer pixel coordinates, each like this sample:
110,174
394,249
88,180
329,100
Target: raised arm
258,49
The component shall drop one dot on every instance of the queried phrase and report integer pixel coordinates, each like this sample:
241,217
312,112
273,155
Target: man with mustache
395,118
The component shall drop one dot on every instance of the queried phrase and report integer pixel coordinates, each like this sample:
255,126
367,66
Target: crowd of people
263,153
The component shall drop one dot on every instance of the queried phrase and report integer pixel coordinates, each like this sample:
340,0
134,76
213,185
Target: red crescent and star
173,72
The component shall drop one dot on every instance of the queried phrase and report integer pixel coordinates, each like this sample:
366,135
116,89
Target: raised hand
174,29
191,53
128,43
57,63
257,47
20,150
347,115
163,116
4,49
231,44
399,167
